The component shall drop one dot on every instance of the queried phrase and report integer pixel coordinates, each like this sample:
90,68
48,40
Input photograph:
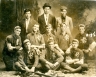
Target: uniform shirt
84,41
46,38
35,39
14,41
51,56
76,54
28,58
63,41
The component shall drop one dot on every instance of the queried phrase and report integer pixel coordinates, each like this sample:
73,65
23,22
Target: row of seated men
47,52
41,47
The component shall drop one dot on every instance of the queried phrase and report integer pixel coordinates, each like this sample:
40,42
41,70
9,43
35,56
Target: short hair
63,8
27,10
81,25
25,41
17,27
75,40
35,24
48,25
62,24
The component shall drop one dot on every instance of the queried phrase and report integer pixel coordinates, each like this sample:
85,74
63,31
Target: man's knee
63,64
84,67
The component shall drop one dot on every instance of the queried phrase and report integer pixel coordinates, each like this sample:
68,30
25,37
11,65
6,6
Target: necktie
27,23
46,19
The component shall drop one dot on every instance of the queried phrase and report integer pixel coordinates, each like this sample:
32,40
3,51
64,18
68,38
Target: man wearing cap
36,38
64,39
27,59
49,34
64,19
75,59
26,23
52,57
46,18
11,47
86,43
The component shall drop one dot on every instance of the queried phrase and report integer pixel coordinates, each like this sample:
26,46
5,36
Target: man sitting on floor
28,58
75,58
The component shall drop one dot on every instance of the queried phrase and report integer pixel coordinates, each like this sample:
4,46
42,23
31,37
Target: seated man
64,39
36,39
75,58
28,58
86,43
52,58
49,34
11,47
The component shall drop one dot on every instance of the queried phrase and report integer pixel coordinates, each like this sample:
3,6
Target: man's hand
50,64
86,50
27,69
75,60
32,69
55,64
38,51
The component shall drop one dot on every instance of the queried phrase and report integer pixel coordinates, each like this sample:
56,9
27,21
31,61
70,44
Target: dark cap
25,41
27,10
82,25
63,8
75,40
46,5
48,25
17,27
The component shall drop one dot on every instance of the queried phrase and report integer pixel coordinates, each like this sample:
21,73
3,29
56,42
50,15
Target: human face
46,10
28,14
82,30
63,28
74,45
63,12
36,28
49,29
17,32
27,45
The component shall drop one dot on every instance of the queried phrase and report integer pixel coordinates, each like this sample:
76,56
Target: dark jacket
22,24
42,22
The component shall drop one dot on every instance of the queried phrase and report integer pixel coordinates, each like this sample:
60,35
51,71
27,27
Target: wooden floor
90,73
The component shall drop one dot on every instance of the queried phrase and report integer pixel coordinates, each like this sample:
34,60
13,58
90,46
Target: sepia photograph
47,38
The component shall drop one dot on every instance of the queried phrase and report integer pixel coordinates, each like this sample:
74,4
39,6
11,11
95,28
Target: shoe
65,71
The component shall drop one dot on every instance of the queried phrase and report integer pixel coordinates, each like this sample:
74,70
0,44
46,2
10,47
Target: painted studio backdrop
11,11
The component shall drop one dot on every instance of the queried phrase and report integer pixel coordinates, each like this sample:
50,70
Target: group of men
47,44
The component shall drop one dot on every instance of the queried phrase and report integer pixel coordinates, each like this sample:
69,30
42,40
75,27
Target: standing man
64,19
46,18
26,24
11,47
